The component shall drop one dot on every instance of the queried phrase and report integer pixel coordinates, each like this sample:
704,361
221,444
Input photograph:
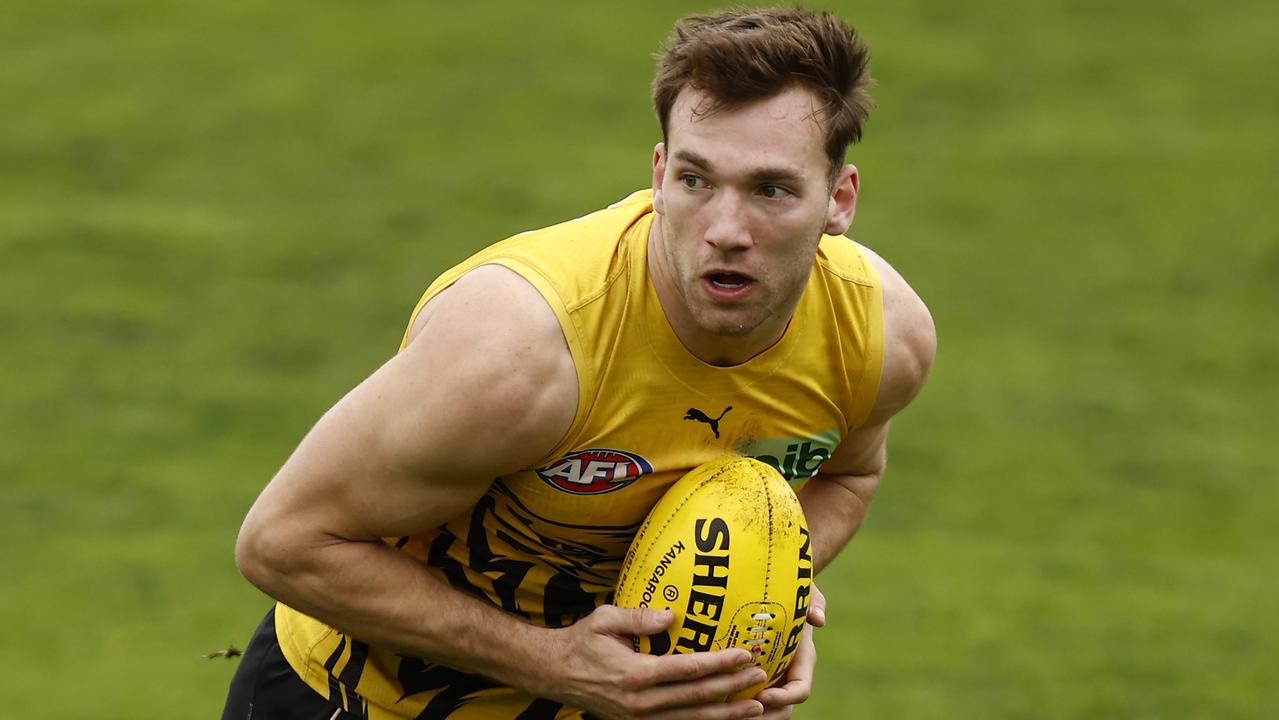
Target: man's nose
728,227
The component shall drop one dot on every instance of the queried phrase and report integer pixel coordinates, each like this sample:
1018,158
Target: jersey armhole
572,336
867,388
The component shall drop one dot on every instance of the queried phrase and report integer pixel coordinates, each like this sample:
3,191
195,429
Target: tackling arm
486,387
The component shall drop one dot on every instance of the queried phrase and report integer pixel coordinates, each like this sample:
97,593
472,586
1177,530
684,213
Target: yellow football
727,550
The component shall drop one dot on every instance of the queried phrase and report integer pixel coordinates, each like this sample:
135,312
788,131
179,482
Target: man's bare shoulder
493,334
910,341
487,288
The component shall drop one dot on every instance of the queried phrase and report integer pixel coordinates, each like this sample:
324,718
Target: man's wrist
526,657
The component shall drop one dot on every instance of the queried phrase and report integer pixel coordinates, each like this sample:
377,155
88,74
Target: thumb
817,608
628,621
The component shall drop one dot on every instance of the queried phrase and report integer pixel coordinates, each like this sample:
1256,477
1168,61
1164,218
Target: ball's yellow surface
727,550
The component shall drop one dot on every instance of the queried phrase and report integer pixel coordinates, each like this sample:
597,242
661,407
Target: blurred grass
214,219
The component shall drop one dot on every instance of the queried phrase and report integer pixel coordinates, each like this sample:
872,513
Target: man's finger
777,713
709,689
626,621
674,668
817,608
793,692
738,710
799,677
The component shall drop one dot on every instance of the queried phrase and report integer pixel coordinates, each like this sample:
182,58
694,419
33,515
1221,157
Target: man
444,541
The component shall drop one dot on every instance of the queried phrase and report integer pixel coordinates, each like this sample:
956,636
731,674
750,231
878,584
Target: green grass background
215,217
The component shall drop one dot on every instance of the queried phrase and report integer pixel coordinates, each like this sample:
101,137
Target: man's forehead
785,125
796,103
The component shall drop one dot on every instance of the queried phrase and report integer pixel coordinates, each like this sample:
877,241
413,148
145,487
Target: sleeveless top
546,543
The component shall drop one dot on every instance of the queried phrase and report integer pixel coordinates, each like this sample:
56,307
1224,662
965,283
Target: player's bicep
910,342
485,388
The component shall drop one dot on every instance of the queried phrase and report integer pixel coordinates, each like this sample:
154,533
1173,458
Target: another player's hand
598,671
780,701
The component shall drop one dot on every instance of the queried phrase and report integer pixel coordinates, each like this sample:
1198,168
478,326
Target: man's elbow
861,487
261,554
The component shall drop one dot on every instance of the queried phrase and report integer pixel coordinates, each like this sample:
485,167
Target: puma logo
699,416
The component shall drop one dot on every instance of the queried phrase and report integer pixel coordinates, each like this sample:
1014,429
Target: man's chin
728,327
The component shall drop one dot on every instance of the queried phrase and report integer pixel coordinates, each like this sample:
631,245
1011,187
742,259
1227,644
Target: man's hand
780,701
602,674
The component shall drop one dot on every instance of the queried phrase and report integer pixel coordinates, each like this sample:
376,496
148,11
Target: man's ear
843,201
659,177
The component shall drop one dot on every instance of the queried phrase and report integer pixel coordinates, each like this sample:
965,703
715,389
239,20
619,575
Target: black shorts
265,687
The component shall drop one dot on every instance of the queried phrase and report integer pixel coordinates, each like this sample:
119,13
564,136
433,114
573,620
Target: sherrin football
726,549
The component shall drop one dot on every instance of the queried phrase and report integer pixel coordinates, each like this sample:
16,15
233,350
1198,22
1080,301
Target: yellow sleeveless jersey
546,544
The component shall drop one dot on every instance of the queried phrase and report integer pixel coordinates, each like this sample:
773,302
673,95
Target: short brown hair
737,57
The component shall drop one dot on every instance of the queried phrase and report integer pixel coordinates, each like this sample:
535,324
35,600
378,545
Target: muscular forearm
383,597
835,506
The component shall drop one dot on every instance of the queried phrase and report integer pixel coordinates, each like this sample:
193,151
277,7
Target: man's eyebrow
759,174
692,158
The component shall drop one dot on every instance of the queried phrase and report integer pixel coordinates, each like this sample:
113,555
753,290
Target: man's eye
773,191
692,181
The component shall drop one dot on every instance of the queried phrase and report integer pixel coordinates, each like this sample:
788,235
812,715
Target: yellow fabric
554,535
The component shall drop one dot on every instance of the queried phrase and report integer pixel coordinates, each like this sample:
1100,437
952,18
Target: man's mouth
728,280
727,286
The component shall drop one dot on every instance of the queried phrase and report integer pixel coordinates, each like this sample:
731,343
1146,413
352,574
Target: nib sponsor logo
594,472
795,458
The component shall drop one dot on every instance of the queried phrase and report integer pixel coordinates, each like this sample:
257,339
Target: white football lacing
757,632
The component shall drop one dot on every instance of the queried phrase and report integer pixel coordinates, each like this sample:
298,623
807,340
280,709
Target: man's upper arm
910,343
485,387
836,500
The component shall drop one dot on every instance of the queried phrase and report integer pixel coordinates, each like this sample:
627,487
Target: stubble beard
741,321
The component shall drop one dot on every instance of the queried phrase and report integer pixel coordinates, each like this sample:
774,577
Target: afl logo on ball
595,472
